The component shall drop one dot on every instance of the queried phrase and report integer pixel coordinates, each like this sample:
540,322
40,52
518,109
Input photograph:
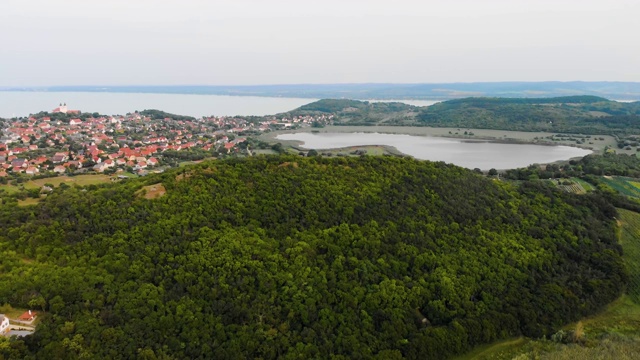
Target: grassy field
9,189
80,180
368,149
28,201
612,334
498,350
130,175
630,241
264,152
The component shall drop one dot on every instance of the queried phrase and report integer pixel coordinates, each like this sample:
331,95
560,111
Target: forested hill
569,114
574,114
159,115
289,257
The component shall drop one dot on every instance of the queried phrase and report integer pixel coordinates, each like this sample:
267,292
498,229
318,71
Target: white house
4,324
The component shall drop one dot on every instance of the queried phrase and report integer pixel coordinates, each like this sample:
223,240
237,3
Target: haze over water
470,154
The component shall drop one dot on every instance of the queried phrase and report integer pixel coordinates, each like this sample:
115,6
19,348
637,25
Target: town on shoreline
70,142
66,141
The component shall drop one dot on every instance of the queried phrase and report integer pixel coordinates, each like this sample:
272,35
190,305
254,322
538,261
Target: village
67,141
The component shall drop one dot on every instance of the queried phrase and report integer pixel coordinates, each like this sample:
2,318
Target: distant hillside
159,115
576,114
358,112
570,114
434,91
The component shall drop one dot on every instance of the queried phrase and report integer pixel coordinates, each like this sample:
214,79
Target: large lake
470,154
23,103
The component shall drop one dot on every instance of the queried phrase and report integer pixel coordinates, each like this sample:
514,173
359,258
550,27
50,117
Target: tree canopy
304,257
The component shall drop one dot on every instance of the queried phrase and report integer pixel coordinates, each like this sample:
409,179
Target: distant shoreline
379,91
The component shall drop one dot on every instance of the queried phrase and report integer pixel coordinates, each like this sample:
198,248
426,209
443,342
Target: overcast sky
233,42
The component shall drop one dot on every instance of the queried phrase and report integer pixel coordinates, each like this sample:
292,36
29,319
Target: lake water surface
470,154
23,103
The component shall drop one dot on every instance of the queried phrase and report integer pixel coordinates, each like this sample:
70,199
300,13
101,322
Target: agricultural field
625,186
585,185
574,187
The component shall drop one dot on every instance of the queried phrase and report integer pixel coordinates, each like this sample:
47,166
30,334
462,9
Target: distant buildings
42,146
65,110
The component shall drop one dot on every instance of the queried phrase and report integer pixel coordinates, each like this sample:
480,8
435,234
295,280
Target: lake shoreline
456,134
479,135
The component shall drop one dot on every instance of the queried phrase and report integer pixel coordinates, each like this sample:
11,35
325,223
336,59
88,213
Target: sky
254,42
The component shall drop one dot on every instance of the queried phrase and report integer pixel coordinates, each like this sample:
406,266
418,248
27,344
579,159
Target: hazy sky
229,42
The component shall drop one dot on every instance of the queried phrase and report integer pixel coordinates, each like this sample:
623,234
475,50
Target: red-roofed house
28,316
59,157
31,170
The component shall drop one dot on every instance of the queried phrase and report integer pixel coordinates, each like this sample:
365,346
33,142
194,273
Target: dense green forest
569,114
161,115
573,114
606,164
290,257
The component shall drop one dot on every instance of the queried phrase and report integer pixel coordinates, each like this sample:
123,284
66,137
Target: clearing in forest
152,191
